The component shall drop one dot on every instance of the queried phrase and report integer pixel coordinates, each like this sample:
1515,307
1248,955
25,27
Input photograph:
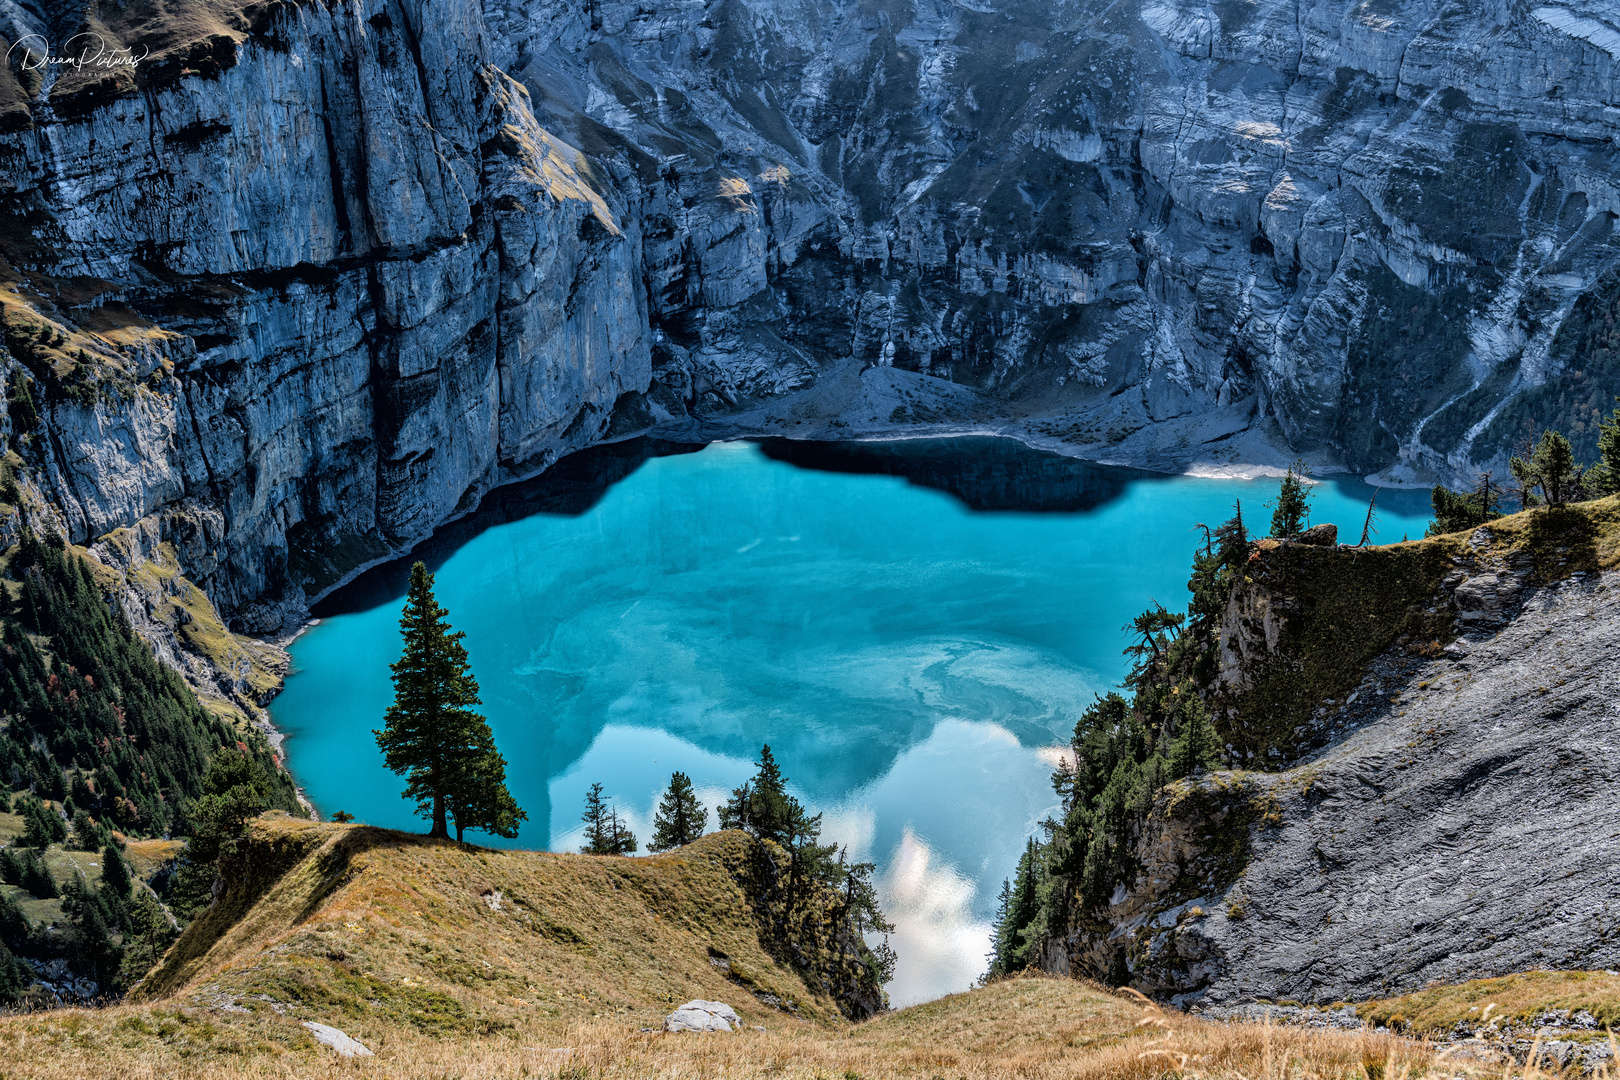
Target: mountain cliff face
1443,812
310,277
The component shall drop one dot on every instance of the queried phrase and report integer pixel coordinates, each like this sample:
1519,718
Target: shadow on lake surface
571,487
984,473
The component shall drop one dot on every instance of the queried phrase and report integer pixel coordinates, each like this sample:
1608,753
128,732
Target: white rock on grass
340,1043
703,1016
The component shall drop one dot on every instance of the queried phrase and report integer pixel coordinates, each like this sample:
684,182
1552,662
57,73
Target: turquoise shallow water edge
912,661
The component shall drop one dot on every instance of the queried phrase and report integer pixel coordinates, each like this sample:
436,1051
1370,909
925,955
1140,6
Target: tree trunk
458,831
439,828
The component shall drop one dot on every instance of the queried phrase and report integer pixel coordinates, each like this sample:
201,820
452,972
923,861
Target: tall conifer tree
431,735
1293,506
681,819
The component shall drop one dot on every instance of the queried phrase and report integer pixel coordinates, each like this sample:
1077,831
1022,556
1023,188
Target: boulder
703,1016
341,1044
1325,535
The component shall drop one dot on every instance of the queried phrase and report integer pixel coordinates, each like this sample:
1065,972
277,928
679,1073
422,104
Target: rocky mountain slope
300,281
1451,808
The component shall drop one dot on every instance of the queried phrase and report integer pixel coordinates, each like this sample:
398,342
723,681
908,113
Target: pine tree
115,878
605,832
1232,539
680,819
234,790
147,937
1020,908
24,415
1292,509
13,923
1604,477
479,798
431,735
762,806
620,840
1194,745
36,877
94,953
36,833
595,819
1152,626
15,976
1554,468
1524,474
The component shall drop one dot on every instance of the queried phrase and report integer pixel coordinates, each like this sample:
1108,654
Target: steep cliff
1442,778
302,280
298,307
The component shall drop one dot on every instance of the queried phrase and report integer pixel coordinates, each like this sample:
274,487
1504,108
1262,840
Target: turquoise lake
913,627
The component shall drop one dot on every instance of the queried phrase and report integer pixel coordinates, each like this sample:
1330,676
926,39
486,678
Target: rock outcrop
703,1016
309,278
1455,822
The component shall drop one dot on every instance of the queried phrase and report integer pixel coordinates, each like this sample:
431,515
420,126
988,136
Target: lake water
913,627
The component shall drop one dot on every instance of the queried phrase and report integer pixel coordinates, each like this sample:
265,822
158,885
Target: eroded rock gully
360,260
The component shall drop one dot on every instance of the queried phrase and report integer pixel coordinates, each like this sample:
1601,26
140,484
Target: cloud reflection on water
945,823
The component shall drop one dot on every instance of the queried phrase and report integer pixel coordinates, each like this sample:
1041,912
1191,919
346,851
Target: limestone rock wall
348,282
358,260
1379,233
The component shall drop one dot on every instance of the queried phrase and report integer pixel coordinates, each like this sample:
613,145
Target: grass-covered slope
449,960
368,928
1520,1000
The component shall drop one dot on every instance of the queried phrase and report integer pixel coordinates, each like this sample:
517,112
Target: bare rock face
356,263
350,284
1459,825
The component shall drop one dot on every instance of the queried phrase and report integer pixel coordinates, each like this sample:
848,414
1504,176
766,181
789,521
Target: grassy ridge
332,920
449,960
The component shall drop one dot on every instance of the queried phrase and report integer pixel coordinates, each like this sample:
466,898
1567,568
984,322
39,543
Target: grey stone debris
341,1044
703,1016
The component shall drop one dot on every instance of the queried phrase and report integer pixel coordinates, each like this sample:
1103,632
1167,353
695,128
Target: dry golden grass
1521,998
1032,1028
451,961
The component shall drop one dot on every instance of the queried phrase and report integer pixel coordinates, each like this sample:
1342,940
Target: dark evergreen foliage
81,692
24,413
147,934
680,819
15,976
1125,751
605,833
1456,511
1292,510
34,876
431,734
1016,912
762,806
94,917
1604,477
115,877
234,791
